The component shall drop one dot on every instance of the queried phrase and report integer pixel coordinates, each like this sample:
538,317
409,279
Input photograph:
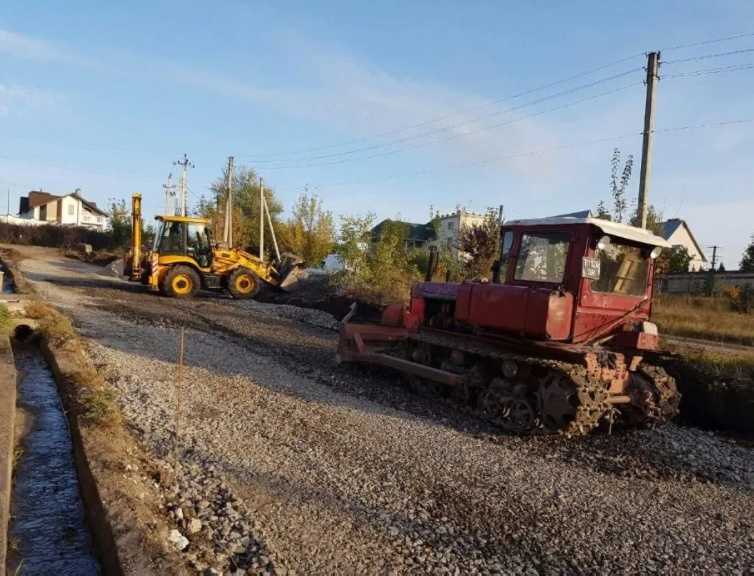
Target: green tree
602,211
309,232
246,209
479,247
747,262
675,260
620,176
380,270
120,223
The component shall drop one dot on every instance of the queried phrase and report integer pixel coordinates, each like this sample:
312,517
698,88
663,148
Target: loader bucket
291,271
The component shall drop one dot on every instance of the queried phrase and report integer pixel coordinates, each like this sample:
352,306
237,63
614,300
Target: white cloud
21,46
15,99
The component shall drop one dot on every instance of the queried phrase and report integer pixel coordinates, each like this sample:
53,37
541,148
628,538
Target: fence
699,282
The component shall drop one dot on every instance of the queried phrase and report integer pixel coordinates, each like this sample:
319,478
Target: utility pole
185,164
8,213
261,219
653,65
714,256
169,188
228,229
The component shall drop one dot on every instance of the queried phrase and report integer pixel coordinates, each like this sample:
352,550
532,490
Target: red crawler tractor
556,340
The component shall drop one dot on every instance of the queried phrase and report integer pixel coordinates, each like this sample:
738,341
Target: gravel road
336,470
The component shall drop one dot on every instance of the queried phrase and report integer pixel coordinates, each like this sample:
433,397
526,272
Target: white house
678,233
69,210
449,227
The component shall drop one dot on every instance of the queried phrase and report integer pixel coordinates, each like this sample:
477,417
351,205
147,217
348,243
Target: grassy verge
4,320
710,318
94,398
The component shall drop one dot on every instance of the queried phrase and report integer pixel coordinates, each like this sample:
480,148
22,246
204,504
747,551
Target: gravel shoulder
331,469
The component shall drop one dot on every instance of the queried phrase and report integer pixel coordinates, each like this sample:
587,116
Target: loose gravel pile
339,470
213,528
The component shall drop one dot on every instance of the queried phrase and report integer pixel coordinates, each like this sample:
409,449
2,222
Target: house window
71,209
450,226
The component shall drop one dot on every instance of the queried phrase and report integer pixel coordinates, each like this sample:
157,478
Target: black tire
243,284
181,282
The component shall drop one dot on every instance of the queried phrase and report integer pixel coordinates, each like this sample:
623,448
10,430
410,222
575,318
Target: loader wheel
243,283
181,282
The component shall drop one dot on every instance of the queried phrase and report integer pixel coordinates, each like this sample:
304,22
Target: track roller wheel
654,397
508,406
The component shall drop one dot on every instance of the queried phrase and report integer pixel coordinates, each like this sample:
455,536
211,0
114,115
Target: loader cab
184,236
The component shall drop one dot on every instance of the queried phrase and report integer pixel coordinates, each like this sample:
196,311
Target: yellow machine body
185,258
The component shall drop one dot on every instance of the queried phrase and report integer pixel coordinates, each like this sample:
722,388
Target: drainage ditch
48,530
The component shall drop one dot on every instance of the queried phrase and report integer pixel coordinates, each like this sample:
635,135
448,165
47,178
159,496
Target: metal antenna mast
185,164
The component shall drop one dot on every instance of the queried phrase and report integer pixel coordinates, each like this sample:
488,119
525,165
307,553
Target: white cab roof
611,228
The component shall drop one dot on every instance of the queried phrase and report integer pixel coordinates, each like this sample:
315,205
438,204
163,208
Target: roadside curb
63,363
7,440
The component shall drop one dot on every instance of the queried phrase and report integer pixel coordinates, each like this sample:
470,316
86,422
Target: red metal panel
463,303
534,312
559,316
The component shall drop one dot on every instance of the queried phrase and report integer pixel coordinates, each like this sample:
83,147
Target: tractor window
172,238
623,270
542,257
198,244
505,254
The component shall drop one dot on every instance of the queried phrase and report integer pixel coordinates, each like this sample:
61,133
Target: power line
457,126
707,71
567,146
707,42
303,154
457,134
708,56
436,119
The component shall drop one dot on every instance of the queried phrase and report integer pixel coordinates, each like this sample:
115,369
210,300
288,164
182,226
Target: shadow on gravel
671,453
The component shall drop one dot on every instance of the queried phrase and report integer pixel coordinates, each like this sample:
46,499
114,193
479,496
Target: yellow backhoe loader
184,259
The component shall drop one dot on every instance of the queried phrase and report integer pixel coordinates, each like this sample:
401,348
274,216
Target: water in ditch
48,530
7,284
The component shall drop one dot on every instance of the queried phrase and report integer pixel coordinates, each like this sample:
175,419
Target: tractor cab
184,236
561,279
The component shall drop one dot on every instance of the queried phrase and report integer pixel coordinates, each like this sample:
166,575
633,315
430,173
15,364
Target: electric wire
294,155
304,153
539,151
707,42
708,56
453,127
708,71
457,135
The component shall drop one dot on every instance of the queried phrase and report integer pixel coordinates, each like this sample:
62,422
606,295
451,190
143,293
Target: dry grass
4,320
711,318
52,324
94,397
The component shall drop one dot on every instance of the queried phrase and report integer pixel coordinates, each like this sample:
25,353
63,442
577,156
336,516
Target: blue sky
104,96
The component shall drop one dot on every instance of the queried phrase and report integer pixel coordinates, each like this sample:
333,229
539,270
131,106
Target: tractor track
343,471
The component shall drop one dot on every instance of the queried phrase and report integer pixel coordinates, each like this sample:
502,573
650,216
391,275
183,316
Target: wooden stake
178,390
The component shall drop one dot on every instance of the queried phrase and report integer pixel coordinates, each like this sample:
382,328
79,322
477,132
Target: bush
56,236
380,272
